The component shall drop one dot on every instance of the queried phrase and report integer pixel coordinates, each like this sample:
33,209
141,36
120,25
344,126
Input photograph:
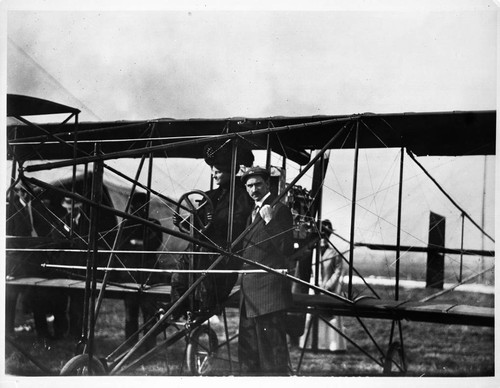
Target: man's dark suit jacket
271,245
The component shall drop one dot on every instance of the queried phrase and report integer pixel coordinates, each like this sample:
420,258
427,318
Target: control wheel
194,207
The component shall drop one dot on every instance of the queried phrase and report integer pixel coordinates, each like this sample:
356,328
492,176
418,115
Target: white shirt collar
259,203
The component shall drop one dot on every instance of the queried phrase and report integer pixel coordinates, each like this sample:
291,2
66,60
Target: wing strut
448,196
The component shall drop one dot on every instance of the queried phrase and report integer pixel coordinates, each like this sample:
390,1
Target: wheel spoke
191,205
202,350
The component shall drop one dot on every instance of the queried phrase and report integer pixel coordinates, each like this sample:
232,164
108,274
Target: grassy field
430,349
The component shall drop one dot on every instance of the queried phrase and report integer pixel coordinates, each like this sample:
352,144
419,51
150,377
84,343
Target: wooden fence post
435,260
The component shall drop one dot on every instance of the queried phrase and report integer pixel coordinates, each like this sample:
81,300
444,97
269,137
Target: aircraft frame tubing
184,236
228,253
165,147
464,213
319,316
97,205
93,204
91,281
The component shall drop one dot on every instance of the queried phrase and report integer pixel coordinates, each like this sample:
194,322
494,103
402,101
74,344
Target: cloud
131,65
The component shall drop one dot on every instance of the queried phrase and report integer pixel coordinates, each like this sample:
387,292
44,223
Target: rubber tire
202,347
77,366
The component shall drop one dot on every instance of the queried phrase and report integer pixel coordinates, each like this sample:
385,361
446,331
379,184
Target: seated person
215,288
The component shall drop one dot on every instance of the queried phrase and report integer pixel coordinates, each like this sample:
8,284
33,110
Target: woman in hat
216,287
332,274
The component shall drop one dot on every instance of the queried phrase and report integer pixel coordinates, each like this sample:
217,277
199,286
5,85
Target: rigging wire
374,202
51,77
328,187
378,217
448,196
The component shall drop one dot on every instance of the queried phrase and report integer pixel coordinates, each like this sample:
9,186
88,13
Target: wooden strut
217,249
75,149
42,138
156,270
163,318
205,244
353,211
442,292
223,253
104,251
398,230
164,147
434,249
111,256
160,270
129,140
448,196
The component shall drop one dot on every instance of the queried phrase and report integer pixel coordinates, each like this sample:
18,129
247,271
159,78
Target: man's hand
267,213
176,218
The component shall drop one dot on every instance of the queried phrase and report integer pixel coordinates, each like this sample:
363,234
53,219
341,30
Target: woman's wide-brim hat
219,154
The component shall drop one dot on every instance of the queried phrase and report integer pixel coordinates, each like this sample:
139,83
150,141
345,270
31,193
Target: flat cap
252,171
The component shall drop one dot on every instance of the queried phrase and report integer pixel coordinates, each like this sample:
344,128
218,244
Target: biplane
84,149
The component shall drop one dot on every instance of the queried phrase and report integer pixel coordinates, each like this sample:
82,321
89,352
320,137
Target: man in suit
19,224
262,346
26,219
76,220
47,301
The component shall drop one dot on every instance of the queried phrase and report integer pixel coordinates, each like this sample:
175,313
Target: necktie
255,211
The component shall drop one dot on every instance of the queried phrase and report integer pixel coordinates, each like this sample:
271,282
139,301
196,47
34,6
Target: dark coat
18,219
137,237
271,245
215,288
217,231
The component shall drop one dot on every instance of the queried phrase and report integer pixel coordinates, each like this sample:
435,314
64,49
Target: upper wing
425,133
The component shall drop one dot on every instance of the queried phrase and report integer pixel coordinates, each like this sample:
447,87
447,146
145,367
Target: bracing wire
51,77
377,191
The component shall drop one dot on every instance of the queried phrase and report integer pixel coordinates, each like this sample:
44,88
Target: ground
430,349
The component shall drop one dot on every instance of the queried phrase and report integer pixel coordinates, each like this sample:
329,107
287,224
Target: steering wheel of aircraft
194,205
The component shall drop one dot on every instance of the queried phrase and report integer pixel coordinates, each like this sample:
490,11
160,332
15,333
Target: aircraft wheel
395,358
192,203
78,366
201,350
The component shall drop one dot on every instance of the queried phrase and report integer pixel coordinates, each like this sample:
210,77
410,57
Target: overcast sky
218,62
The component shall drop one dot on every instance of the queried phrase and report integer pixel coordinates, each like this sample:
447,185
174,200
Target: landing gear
79,366
201,350
395,358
